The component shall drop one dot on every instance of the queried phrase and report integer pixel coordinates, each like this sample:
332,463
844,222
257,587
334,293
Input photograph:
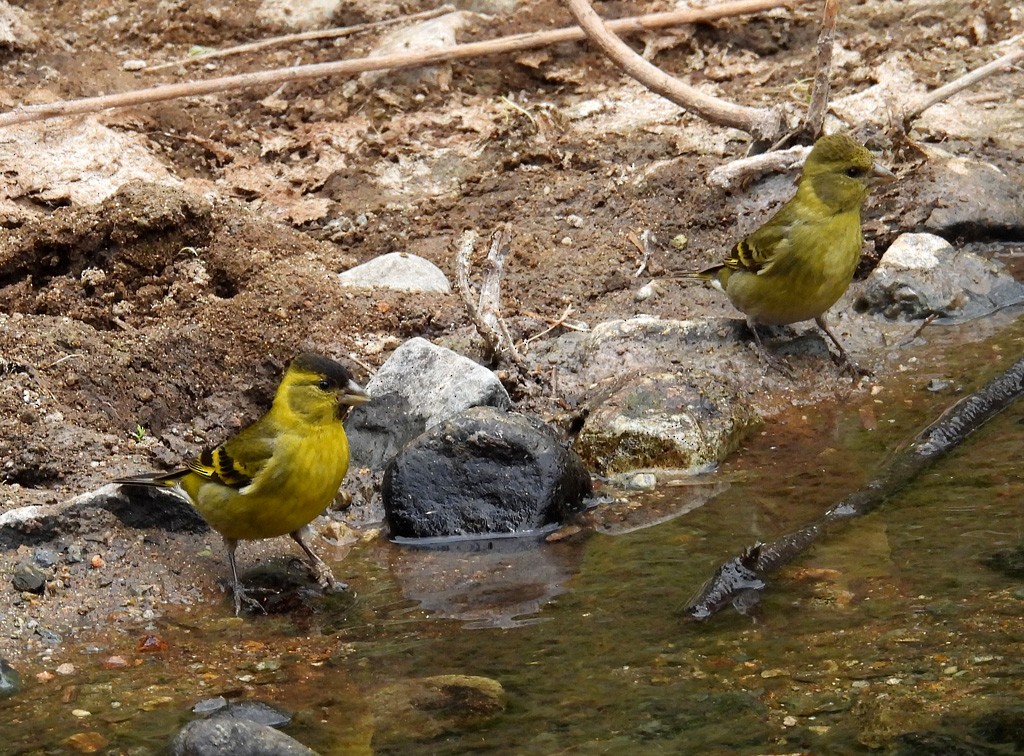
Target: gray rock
10,680
434,34
419,386
28,577
484,471
968,197
397,270
665,420
922,274
45,557
222,736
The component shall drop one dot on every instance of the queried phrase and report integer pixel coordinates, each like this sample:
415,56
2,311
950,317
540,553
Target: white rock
915,252
397,270
300,15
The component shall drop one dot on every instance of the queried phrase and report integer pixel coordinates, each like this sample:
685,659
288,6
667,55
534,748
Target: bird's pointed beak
880,175
354,395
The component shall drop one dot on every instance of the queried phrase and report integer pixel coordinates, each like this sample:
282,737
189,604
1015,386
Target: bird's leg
844,356
767,359
241,597
321,572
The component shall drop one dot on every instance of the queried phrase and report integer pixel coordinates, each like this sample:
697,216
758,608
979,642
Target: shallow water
893,625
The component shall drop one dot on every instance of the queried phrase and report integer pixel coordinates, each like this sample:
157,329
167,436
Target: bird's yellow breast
297,483
806,278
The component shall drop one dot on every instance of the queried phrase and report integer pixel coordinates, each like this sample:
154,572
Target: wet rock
483,471
222,736
427,707
931,743
1009,562
665,420
419,386
400,271
10,680
922,274
258,712
28,577
210,705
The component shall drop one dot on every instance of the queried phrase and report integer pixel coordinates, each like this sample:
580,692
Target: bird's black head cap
324,367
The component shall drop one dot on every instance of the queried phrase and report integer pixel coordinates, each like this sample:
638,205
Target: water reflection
495,581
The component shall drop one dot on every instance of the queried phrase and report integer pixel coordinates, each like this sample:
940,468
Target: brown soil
136,331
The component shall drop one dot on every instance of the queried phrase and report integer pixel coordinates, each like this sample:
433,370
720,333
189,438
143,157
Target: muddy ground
138,328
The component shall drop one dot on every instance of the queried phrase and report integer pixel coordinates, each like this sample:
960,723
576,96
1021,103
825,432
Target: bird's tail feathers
159,480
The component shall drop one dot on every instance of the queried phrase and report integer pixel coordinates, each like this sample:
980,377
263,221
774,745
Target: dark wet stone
258,712
483,471
44,557
1009,562
10,680
225,736
1003,726
936,744
28,577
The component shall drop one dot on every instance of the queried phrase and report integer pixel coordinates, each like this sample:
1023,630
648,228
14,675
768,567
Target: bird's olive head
841,172
319,389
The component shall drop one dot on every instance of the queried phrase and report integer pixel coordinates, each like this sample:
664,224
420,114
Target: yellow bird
279,473
800,262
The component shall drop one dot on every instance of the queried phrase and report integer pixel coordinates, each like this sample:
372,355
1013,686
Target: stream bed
900,633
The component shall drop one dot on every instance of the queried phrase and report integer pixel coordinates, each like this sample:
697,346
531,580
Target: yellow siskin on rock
799,263
276,475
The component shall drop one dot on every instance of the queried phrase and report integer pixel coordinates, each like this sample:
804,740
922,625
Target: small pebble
28,578
44,557
133,65
67,668
97,562
935,385
81,713
44,676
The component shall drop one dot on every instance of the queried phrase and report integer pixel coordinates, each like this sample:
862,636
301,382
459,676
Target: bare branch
289,39
745,169
486,312
823,71
764,124
502,45
999,65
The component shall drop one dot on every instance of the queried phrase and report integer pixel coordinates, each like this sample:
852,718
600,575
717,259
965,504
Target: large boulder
483,471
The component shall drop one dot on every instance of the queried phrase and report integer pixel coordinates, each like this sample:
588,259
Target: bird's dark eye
324,384
854,172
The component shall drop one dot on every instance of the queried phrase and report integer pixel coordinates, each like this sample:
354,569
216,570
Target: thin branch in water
741,580
289,39
823,71
763,124
398,61
1000,65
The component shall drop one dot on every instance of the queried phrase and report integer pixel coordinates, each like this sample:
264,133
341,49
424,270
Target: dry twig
738,172
289,39
502,45
764,124
1000,65
823,73
486,311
